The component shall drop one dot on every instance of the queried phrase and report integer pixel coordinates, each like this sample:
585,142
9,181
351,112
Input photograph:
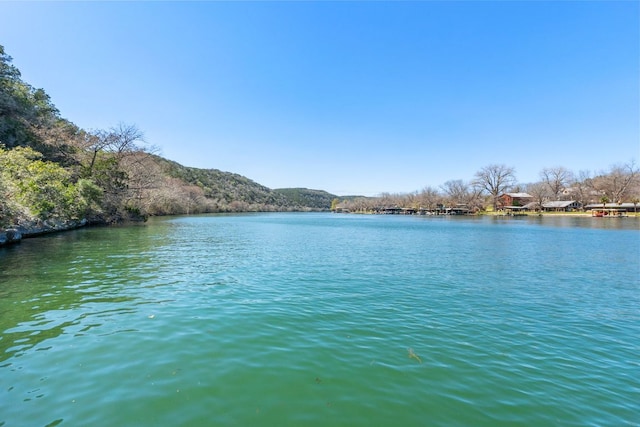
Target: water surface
319,319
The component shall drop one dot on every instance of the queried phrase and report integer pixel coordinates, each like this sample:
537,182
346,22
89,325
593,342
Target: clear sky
350,97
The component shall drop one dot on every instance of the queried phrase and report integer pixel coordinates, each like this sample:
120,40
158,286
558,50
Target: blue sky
350,97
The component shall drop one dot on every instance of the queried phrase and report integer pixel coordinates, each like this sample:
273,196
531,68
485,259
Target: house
511,200
561,206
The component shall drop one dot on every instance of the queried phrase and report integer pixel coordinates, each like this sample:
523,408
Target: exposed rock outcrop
10,235
31,229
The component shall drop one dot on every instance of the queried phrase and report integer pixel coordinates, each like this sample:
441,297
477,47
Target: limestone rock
10,235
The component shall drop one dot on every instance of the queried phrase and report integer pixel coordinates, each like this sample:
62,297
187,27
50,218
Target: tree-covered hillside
53,171
317,199
230,191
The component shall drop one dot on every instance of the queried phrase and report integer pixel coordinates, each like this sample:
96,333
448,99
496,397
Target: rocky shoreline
15,234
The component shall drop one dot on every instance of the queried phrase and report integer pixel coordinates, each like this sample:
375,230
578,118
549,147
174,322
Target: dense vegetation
51,170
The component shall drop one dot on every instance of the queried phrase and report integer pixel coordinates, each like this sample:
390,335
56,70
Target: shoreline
15,234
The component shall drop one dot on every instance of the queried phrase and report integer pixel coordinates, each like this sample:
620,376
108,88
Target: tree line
619,183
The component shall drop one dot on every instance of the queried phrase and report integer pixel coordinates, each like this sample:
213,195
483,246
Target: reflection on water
623,223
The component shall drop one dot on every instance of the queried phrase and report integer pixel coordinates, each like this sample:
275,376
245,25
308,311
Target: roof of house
612,205
519,195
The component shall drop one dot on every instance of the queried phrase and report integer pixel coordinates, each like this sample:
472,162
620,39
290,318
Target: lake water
321,319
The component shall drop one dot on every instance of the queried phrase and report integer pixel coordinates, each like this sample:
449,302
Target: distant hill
224,186
304,197
227,188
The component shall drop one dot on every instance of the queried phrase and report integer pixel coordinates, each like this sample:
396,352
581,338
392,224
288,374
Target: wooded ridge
54,174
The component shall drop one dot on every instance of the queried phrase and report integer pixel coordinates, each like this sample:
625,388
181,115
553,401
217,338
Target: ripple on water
319,319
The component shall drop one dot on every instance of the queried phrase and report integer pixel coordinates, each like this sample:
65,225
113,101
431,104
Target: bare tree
386,200
429,198
624,178
474,198
411,200
495,179
121,139
456,190
540,193
618,182
556,178
119,162
118,141
143,174
583,187
463,193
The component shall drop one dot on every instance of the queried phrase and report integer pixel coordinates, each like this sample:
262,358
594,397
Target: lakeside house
561,206
514,201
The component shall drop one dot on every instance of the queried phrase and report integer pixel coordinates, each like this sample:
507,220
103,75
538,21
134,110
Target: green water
319,319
